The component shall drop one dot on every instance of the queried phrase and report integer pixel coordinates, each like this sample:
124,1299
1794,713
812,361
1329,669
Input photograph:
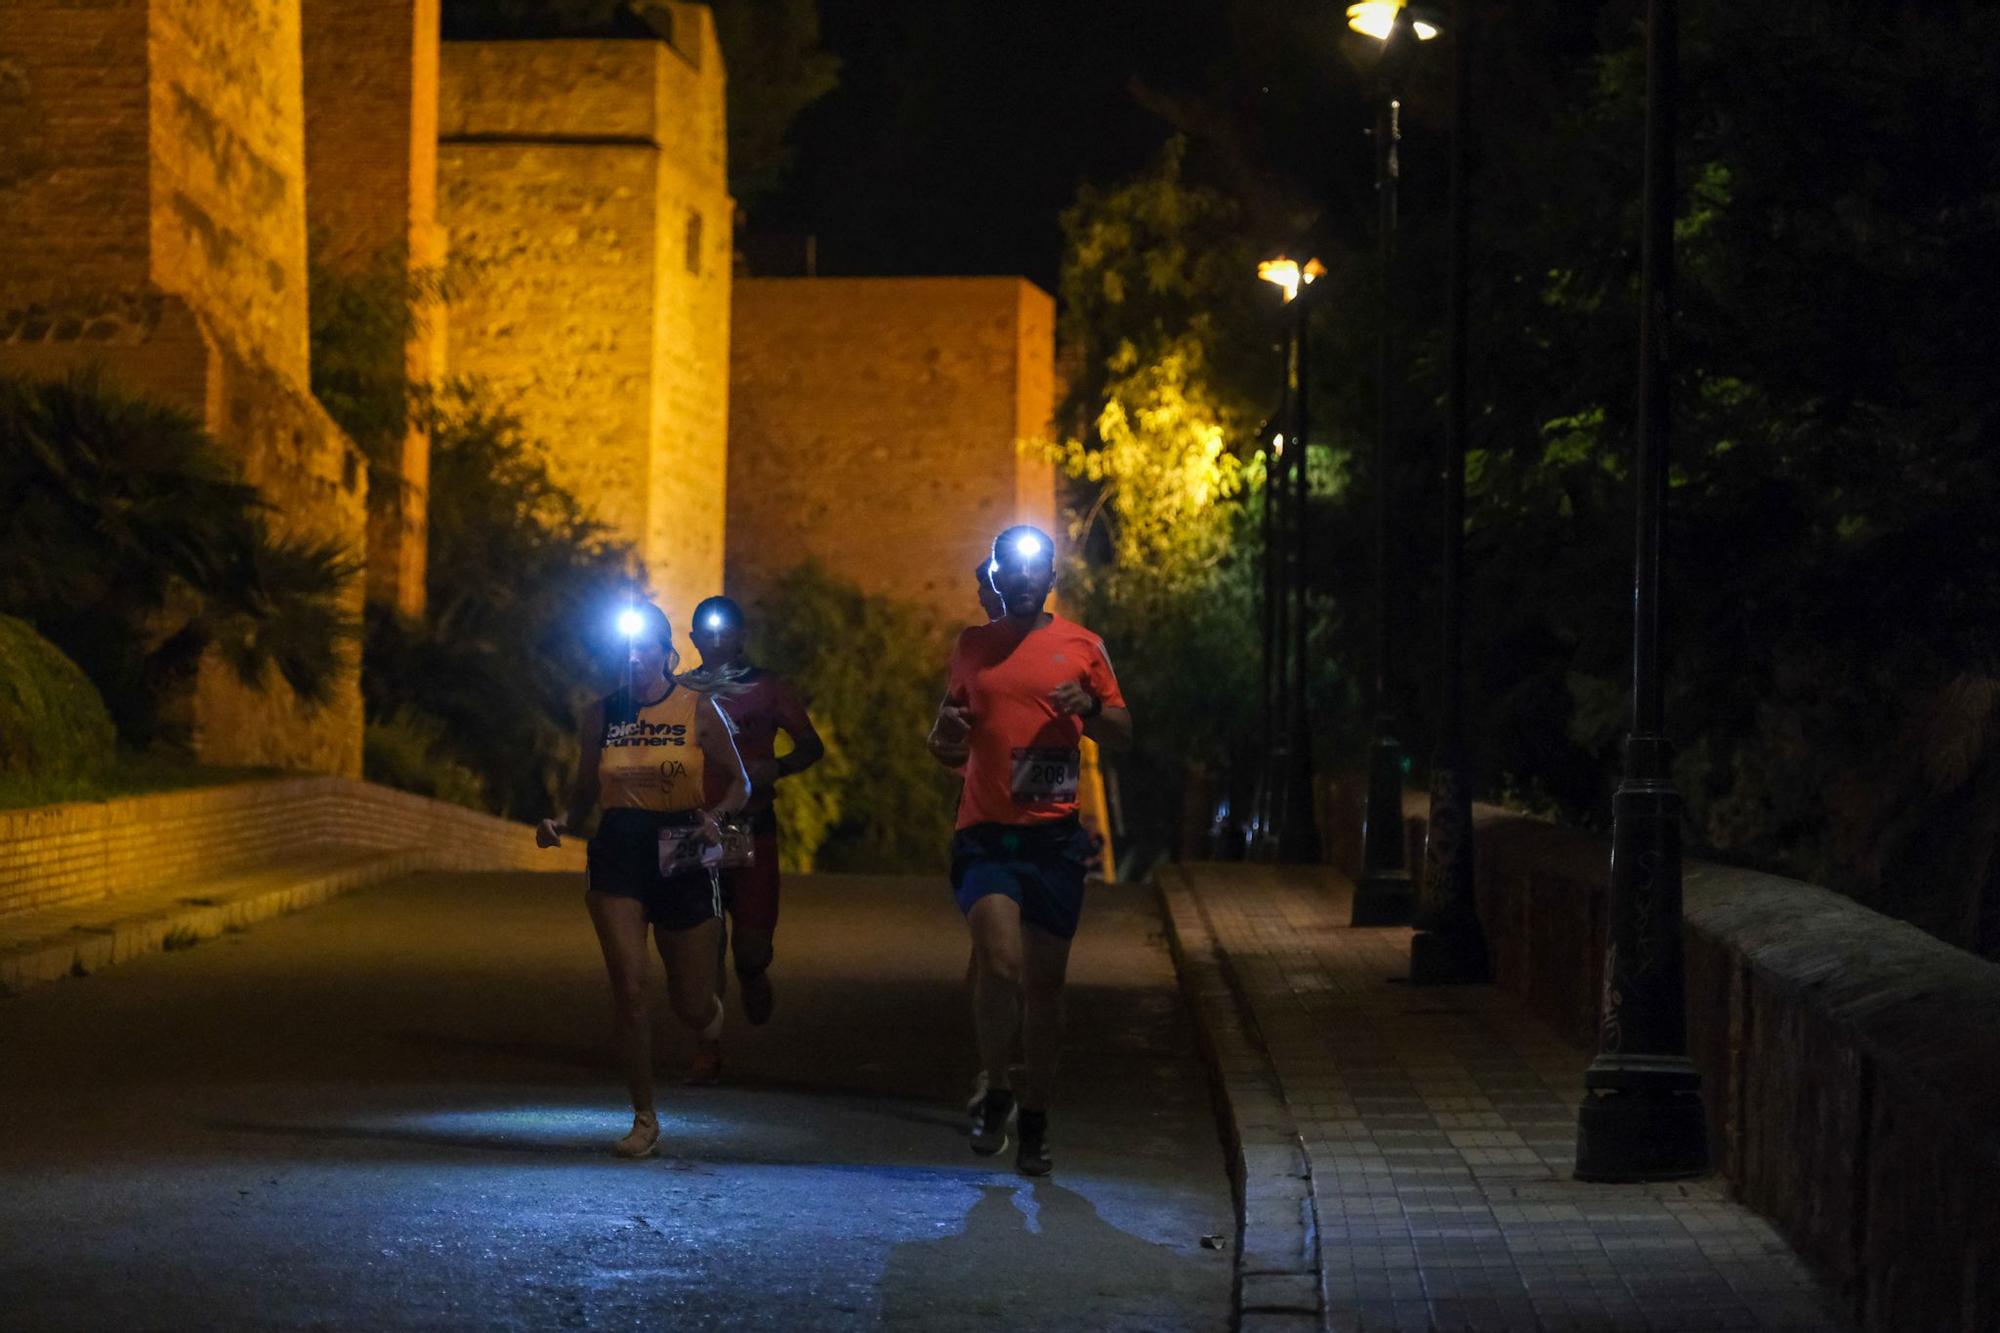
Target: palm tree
128,539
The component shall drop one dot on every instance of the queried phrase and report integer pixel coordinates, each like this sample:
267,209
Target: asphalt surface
394,1111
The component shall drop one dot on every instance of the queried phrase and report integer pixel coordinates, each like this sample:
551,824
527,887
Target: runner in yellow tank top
659,758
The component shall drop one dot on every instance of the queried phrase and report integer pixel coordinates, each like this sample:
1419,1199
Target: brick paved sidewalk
1432,1132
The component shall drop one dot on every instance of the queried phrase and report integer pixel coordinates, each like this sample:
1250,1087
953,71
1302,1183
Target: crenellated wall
874,426
583,183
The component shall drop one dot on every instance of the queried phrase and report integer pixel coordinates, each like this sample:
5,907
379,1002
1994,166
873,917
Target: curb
86,949
1279,1284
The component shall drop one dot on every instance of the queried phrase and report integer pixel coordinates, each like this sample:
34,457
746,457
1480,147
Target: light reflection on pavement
393,1112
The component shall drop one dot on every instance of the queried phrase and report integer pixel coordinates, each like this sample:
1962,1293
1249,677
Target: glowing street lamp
1290,275
1377,19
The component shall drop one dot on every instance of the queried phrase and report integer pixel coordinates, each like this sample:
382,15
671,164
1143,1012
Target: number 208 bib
1046,775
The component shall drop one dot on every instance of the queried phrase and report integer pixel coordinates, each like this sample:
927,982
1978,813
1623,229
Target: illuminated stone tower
371,94
152,222
583,184
874,425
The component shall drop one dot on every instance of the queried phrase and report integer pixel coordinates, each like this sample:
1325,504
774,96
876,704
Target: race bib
1046,775
682,848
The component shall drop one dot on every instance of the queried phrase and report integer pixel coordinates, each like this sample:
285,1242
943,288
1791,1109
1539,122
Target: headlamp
715,620
630,622
1027,546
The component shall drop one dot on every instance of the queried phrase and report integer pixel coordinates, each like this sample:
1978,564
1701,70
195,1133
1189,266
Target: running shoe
975,1101
643,1139
754,990
996,1116
1032,1157
706,1067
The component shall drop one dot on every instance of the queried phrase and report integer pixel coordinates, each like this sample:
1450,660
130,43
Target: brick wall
155,227
873,426
571,177
90,851
371,89
1848,1060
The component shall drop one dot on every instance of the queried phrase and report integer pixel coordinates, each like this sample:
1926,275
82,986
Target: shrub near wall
53,724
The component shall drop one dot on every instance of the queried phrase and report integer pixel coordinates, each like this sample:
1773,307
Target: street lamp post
1450,945
1293,832
1642,1116
1259,843
1383,896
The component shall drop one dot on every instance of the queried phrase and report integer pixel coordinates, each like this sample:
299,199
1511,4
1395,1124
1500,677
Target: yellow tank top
652,763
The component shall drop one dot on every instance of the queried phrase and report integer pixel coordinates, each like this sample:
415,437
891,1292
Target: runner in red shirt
758,705
1023,692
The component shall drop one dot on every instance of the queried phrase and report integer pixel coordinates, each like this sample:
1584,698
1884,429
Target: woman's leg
621,933
693,967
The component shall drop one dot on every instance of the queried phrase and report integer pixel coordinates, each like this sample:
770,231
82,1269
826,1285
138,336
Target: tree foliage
871,671
129,540
520,584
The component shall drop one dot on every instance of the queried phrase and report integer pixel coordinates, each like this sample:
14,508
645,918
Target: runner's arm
718,752
949,734
583,789
807,748
1111,728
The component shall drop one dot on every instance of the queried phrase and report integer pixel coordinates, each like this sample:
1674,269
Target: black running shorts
624,860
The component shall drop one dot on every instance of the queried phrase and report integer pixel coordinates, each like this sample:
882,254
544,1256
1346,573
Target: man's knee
999,965
694,1009
753,953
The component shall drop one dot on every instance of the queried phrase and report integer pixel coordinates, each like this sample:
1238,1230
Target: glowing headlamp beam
715,620
630,622
1028,546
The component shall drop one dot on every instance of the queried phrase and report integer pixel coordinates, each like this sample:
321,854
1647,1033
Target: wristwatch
1096,707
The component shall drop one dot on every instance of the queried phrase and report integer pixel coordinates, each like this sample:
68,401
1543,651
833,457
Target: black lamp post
1450,945
1641,1117
1260,842
1292,833
1383,896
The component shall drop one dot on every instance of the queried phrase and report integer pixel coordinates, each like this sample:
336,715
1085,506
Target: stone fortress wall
874,426
166,164
371,92
152,223
584,183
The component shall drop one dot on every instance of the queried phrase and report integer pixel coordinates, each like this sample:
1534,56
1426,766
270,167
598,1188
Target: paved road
392,1111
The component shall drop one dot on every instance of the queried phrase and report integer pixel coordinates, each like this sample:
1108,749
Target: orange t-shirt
1023,764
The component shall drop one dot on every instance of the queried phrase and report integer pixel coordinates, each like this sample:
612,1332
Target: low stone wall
1850,1062
88,851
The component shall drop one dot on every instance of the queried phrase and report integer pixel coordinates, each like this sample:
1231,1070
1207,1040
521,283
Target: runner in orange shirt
1023,692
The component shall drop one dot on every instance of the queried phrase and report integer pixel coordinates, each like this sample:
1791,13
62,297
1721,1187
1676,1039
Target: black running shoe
1032,1158
989,1130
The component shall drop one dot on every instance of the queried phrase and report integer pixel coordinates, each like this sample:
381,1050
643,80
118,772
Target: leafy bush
407,751
129,540
504,658
811,804
53,723
871,670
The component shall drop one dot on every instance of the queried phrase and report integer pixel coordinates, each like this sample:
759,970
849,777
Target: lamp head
630,622
1377,19
1289,275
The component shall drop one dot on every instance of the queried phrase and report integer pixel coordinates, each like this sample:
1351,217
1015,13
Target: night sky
960,131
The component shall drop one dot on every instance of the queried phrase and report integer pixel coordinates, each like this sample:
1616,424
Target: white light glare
630,622
715,620
1027,546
